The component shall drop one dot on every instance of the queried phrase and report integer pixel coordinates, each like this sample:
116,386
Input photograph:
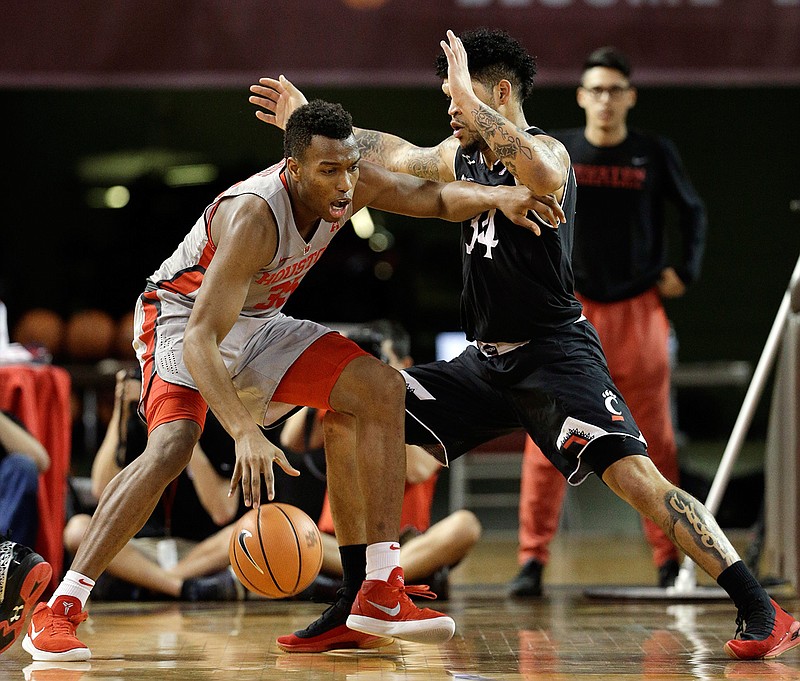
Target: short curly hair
494,55
318,117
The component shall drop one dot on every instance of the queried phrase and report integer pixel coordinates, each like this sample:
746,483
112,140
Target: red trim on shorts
165,402
150,305
310,380
162,401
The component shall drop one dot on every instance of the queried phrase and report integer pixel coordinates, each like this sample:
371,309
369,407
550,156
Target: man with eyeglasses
625,178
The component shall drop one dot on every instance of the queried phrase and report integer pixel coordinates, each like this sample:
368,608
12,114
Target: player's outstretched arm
278,98
452,201
540,162
399,155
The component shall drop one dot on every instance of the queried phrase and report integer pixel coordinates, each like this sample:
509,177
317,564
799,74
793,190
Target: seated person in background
24,574
182,551
22,459
428,552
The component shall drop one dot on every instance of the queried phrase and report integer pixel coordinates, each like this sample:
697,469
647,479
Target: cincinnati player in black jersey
625,179
541,370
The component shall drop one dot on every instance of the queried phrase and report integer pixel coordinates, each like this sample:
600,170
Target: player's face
606,95
468,137
325,177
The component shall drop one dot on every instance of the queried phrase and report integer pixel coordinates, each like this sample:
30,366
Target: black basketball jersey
516,285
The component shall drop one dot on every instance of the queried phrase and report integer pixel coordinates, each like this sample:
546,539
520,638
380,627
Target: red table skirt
39,396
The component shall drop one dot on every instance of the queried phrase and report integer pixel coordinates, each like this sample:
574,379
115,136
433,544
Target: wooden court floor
564,636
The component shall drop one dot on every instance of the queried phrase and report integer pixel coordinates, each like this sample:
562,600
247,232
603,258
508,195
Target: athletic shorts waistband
495,349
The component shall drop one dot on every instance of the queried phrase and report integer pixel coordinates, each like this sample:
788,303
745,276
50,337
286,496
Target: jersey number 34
483,233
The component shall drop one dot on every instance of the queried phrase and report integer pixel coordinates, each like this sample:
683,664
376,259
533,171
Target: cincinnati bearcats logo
244,534
610,400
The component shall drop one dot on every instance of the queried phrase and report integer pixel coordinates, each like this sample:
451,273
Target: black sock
743,587
354,568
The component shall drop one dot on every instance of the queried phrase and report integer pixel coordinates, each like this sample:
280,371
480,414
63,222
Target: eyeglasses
613,92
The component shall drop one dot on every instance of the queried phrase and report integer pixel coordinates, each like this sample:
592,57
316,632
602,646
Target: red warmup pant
634,334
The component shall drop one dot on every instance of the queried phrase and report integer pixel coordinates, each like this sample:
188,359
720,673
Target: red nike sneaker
338,638
784,634
51,633
329,632
24,575
384,609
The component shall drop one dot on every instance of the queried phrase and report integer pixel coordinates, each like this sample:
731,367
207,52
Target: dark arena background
123,119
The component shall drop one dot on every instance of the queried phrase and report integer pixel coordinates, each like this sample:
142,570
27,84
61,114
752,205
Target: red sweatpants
634,334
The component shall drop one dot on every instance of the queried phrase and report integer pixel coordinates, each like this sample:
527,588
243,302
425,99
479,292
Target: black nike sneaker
24,575
330,632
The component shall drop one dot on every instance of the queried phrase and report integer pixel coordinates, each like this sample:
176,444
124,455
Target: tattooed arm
395,153
278,98
538,161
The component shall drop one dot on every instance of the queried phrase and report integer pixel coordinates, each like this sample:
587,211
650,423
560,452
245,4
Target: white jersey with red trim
271,286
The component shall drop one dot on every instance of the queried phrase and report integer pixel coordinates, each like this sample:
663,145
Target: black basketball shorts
557,388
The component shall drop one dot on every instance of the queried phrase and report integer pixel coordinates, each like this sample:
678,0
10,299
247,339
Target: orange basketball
40,326
276,550
90,335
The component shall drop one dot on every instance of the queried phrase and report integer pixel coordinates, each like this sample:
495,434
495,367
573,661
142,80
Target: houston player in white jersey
209,332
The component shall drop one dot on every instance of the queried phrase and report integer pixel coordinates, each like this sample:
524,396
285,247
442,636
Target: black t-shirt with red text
621,242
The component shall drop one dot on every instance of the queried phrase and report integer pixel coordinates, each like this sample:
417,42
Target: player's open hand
459,82
518,201
254,457
278,99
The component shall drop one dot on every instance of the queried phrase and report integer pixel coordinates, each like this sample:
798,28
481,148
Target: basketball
276,550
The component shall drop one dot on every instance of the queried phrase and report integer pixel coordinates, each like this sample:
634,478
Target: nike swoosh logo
392,612
242,536
85,583
34,633
395,547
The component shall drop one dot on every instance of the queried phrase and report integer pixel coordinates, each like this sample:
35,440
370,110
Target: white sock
76,585
382,558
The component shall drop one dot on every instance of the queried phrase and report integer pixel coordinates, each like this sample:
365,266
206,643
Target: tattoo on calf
702,526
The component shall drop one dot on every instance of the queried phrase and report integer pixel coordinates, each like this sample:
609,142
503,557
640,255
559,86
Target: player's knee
637,480
169,448
388,387
469,527
368,386
74,531
380,392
